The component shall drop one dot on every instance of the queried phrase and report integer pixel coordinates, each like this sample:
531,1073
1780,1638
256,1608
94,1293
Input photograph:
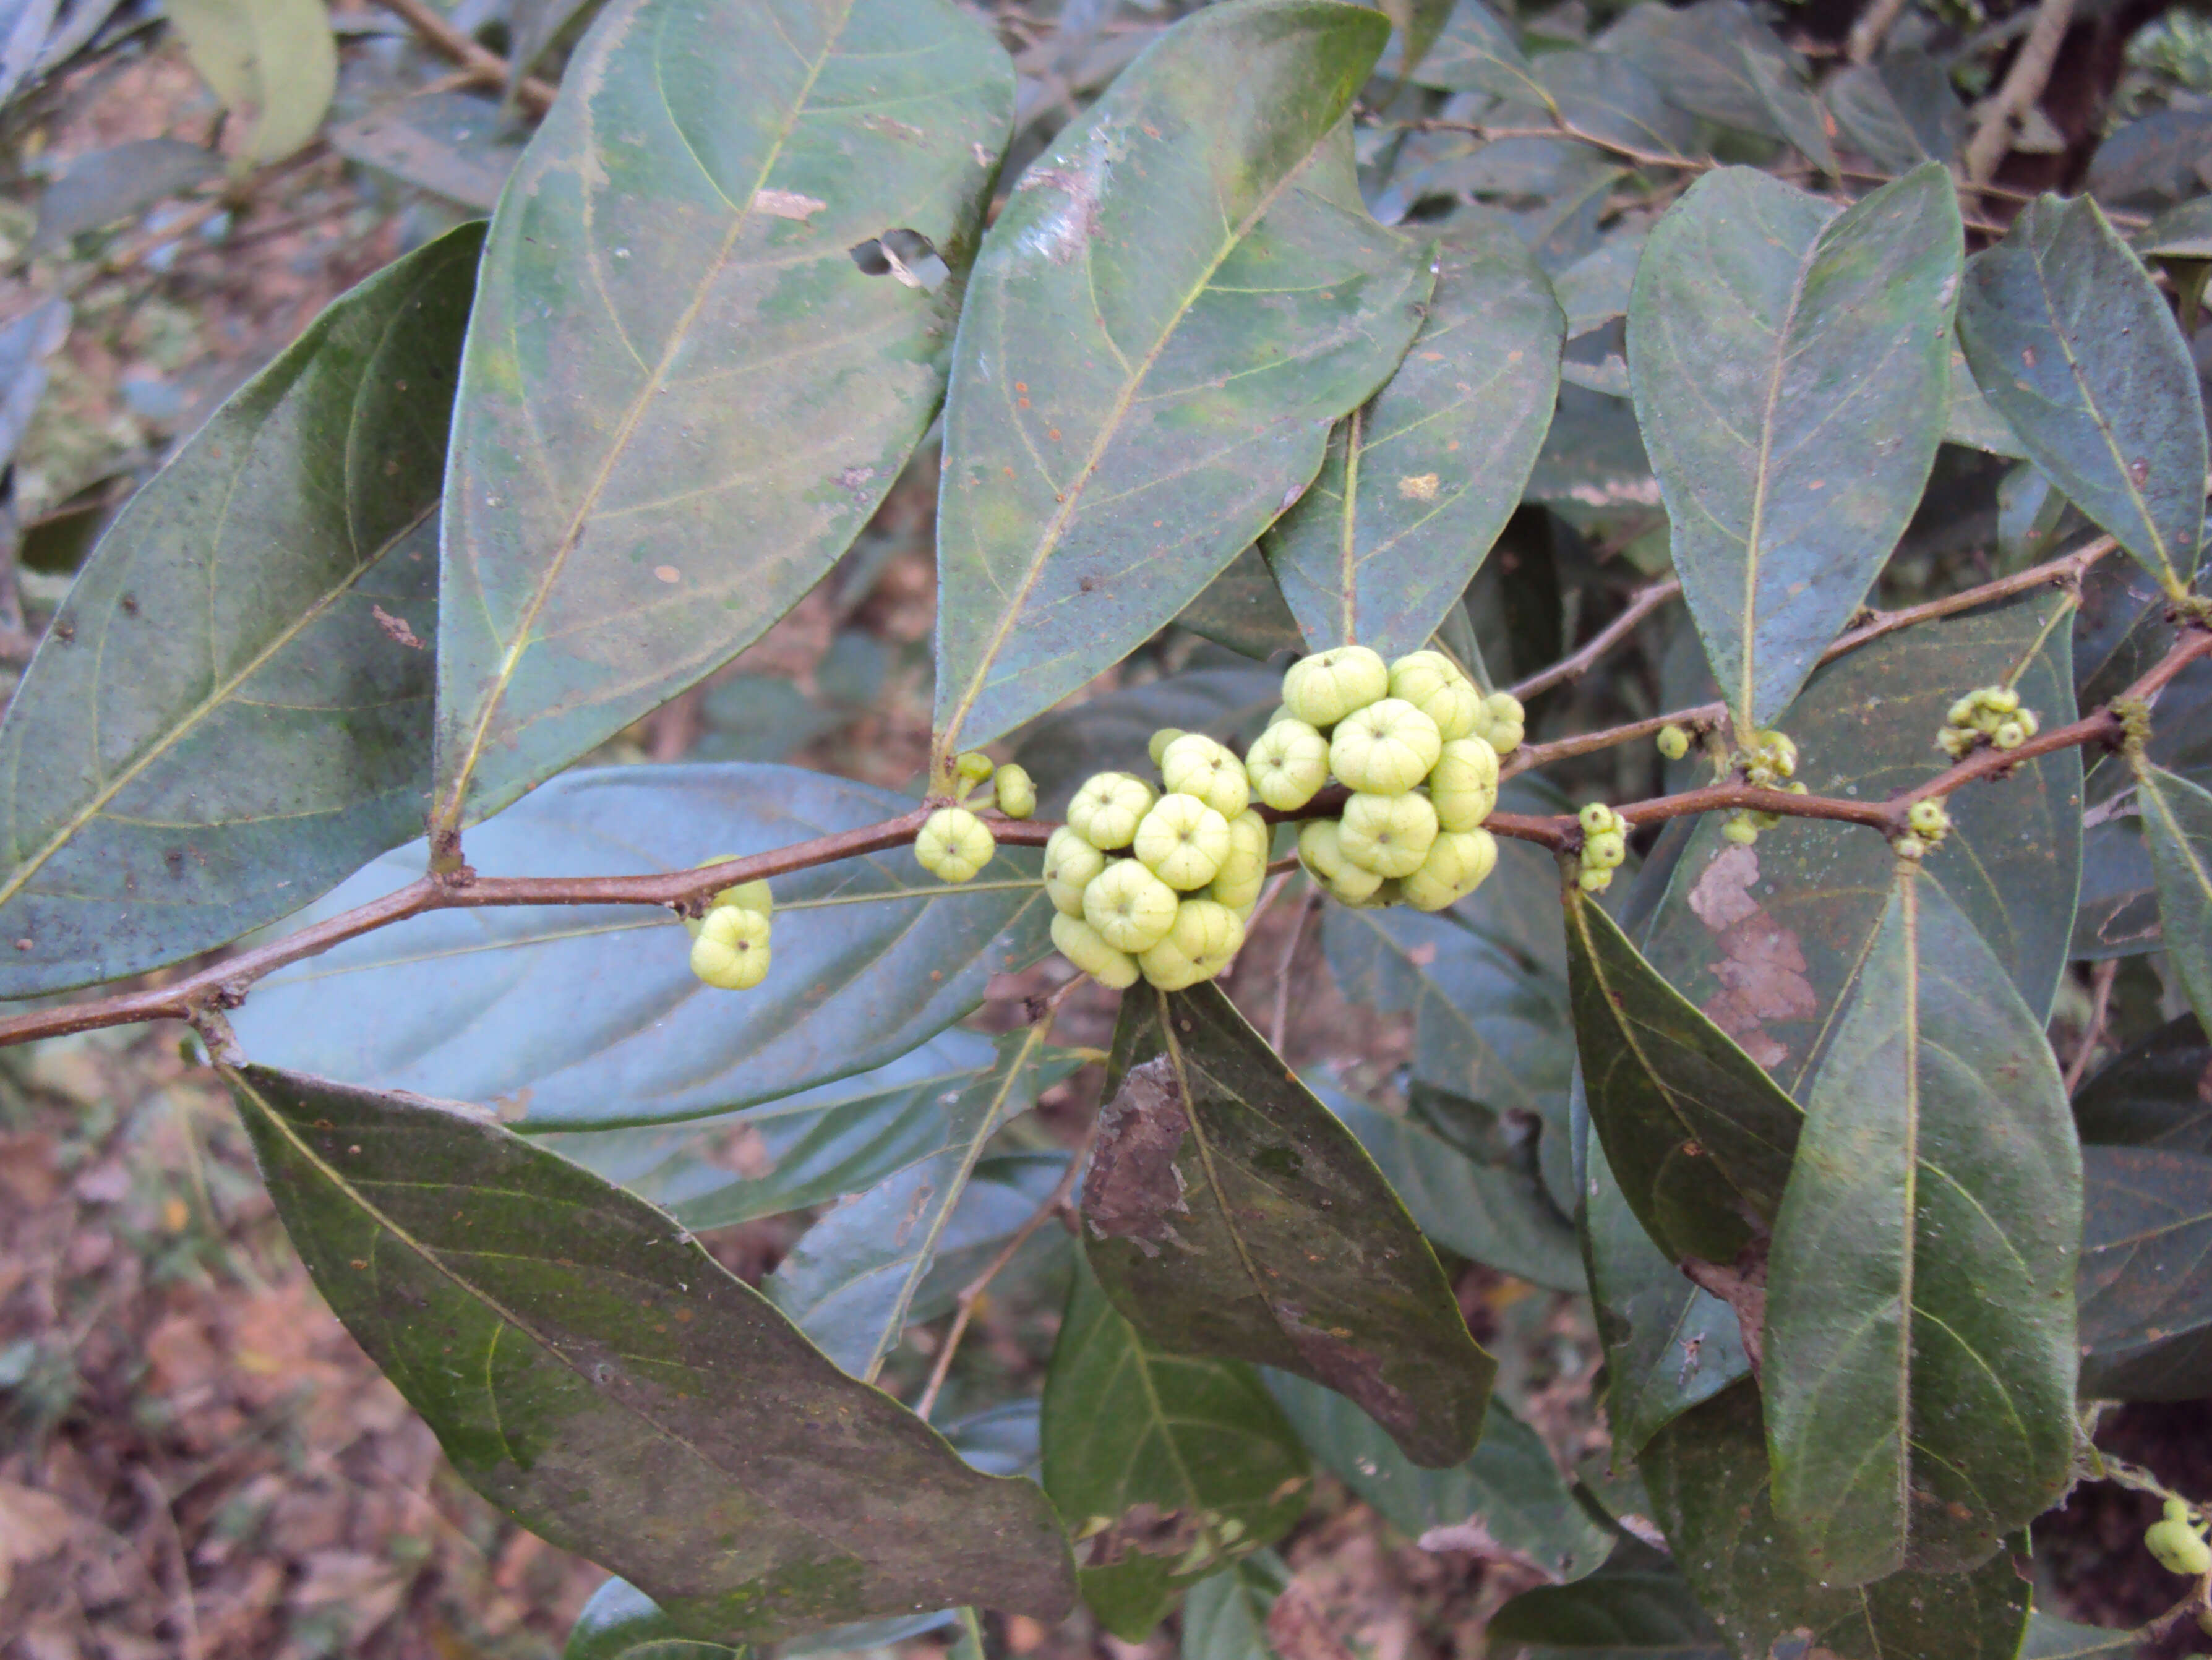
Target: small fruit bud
1388,835
1385,748
1321,689
1433,683
1674,742
1130,907
731,950
1593,881
954,844
1458,863
2000,699
1928,819
1107,809
1184,840
1081,945
1599,820
1910,847
749,895
1014,791
1740,829
1606,850
1955,741
1318,848
1195,765
1070,862
2180,1549
972,769
1353,886
1160,740
1288,764
1463,783
1503,722
2009,735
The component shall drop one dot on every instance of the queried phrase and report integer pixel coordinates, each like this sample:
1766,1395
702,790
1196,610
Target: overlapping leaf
273,62
1226,1615
1900,110
2064,1640
1228,1213
1637,1607
1789,364
2146,1272
2178,825
2158,1093
231,710
1707,1474
1920,1328
1718,59
621,1622
1475,51
682,398
1181,294
2076,349
1243,609
1420,479
1163,1466
593,1371
588,1017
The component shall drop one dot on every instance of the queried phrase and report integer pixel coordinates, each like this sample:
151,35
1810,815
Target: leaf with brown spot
1271,1238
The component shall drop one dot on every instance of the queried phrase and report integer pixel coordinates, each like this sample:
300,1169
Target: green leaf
231,711
1790,365
1972,423
571,1017
1476,52
2146,1240
1229,1214
1179,296
1704,1134
1110,732
1506,1498
2178,825
671,340
1594,289
2158,1093
2049,1638
1418,22
459,145
1486,1213
1764,939
273,62
1640,1609
1420,479
1163,1466
1243,609
1707,1474
1224,1617
1900,110
2075,348
1919,1343
621,1622
589,1368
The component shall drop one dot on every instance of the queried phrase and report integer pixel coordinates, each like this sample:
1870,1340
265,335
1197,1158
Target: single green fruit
954,844
1195,765
1606,850
2009,735
1082,944
1321,689
1354,886
1205,939
1740,829
1593,881
731,950
1107,809
2178,1509
1384,748
2179,1548
1288,764
1243,872
1463,783
1503,722
1184,840
1130,907
1388,835
1674,742
1910,847
1599,820
1158,744
972,767
1433,683
1318,850
1927,818
1070,862
1014,791
1458,863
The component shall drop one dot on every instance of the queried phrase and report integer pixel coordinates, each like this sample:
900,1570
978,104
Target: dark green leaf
1899,109
1243,609
1790,365
2146,1238
1920,1359
2154,157
671,340
2157,1094
2049,1639
1163,1466
1716,59
1972,423
1507,1499
588,1367
1594,289
1110,732
1640,1609
1420,479
1707,1474
1476,52
1704,1134
456,144
1764,939
1224,1617
1418,23
231,710
2181,235
1179,296
590,1018
2178,825
1228,1213
2074,347
621,1622
537,25
1610,98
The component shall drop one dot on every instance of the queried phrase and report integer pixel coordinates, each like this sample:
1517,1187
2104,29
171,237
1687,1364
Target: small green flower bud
1385,748
1593,881
1082,944
1131,908
2028,722
1388,835
2177,1509
1928,819
2000,699
1433,683
1288,764
1205,939
1599,820
2179,1548
731,950
954,844
1674,742
1160,740
972,769
1782,752
1606,850
1321,689
1458,863
1962,713
1107,809
1195,765
1184,840
1014,792
1070,862
1463,783
2009,735
1955,741
1740,829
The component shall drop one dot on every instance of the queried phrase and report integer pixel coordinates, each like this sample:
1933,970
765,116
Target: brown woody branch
483,65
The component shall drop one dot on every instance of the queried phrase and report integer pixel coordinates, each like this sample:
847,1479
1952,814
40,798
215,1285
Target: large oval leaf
592,1369
2074,347
2157,1093
1420,479
2178,825
1180,297
589,1016
232,709
1790,365
1641,1612
682,400
2146,1271
1920,1359
1229,1214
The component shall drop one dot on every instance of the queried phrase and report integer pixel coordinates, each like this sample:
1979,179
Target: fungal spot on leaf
397,628
905,256
1143,1530
1133,1186
1419,486
788,203
1761,969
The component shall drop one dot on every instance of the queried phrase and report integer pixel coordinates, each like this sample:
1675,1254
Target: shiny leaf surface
670,341
588,1367
1789,364
2178,825
232,709
621,1622
1179,297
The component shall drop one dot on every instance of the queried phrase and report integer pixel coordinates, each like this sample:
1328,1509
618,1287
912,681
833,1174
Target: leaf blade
2177,824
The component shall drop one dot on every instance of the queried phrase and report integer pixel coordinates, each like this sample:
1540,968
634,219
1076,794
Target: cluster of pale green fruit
1990,715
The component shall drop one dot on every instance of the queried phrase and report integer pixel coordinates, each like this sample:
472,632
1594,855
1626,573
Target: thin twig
533,95
1279,1025
2021,90
2066,571
1874,22
1640,606
2093,1033
1697,717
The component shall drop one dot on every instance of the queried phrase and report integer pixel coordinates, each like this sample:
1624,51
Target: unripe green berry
1288,764
1910,847
1928,819
1353,886
2009,735
1070,862
954,844
1184,840
2000,699
1320,848
1014,791
1244,871
1606,850
1955,741
2180,1549
1082,944
1962,713
1593,881
1385,748
731,950
1503,722
972,767
1674,742
1599,820
1740,829
1195,765
1205,939
1458,863
1107,809
749,895
1388,835
1130,907
1160,740
2178,1509
1463,783
2029,723
1321,689
2204,1620
1433,683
